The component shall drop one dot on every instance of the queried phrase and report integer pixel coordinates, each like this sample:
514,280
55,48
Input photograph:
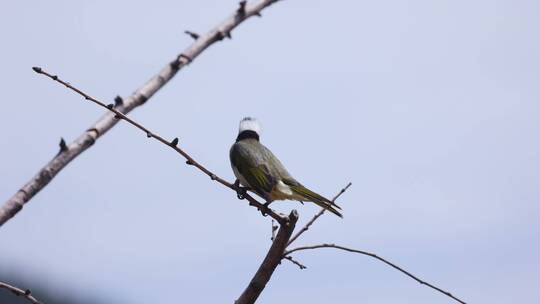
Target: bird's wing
252,167
274,165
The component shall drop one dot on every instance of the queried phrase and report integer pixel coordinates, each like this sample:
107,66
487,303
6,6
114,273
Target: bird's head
249,128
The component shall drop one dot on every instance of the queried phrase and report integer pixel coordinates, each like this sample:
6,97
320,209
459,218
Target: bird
259,170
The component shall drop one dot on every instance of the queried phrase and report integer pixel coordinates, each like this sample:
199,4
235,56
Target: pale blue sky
430,108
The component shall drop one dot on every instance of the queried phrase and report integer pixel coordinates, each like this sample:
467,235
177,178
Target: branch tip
295,262
316,216
37,69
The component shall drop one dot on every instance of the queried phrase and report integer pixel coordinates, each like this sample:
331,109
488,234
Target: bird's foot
240,191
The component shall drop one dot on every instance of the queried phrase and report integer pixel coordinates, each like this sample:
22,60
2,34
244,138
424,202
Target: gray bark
138,98
27,294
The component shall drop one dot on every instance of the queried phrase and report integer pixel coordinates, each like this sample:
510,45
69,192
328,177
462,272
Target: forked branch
139,97
173,144
288,252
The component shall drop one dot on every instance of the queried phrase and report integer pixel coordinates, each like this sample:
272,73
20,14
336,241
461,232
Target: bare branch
171,144
139,97
27,294
191,34
306,227
270,262
288,252
295,262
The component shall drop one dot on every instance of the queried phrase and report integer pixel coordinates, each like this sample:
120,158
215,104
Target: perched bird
256,168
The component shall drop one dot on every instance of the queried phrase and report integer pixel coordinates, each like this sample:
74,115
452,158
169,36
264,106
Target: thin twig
27,294
44,176
171,144
321,212
191,34
295,262
271,261
288,252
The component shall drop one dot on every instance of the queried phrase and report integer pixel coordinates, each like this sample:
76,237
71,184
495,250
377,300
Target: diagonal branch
288,252
27,294
270,262
138,98
306,227
171,144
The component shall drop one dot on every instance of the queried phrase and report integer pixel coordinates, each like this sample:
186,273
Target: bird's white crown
251,124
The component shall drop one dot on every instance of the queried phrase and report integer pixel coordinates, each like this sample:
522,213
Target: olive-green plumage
257,168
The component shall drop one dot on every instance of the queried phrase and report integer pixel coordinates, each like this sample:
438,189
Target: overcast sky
430,108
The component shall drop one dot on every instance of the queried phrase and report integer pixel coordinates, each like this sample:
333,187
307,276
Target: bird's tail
317,199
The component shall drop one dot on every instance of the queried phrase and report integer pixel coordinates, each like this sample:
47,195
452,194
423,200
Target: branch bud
118,101
241,11
62,144
192,34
